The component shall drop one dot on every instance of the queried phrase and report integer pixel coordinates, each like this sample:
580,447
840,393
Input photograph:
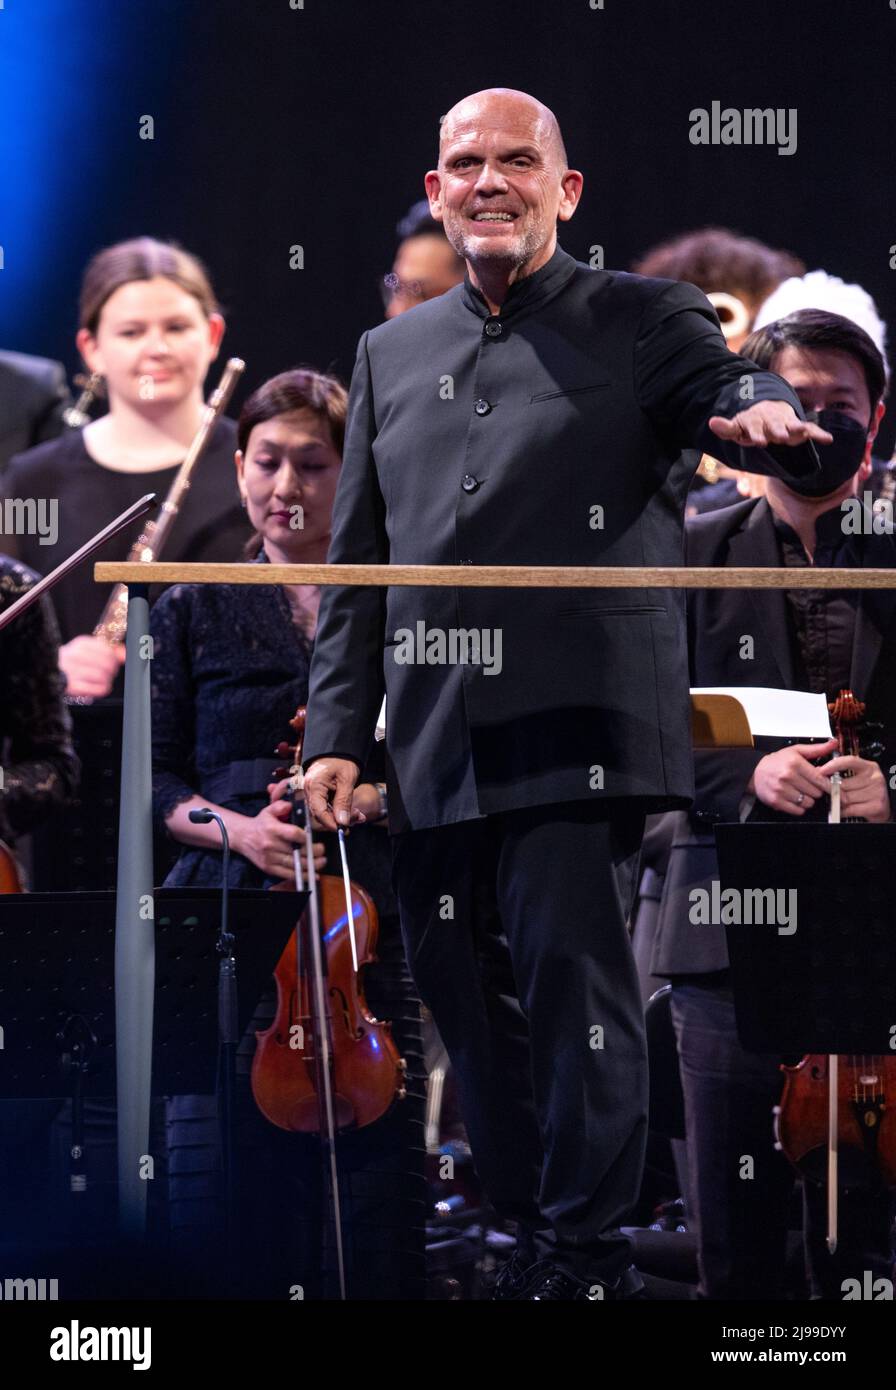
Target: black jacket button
469,483
494,328
481,407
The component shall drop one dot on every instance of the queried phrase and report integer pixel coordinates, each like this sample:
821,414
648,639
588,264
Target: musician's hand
768,422
329,785
865,793
90,666
268,839
788,781
365,795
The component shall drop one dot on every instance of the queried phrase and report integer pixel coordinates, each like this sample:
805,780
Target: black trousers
515,930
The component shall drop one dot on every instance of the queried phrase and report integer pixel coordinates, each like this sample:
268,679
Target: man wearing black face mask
801,639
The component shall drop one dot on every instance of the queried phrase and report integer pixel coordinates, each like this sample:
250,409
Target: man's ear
571,183
432,182
879,412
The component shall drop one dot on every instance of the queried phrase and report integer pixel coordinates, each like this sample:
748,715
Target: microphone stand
227,1035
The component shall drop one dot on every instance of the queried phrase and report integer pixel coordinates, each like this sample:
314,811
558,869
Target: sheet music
778,713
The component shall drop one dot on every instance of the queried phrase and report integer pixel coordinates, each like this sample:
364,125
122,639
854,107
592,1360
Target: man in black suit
819,640
33,395
534,415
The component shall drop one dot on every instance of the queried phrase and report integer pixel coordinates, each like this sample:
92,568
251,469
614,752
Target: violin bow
844,711
321,1036
833,1075
347,884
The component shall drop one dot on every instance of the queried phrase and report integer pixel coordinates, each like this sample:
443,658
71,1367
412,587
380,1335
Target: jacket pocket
568,391
613,611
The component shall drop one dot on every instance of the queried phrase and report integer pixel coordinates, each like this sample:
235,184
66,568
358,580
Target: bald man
534,415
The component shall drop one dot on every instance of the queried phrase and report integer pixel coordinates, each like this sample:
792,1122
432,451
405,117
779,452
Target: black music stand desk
829,985
57,964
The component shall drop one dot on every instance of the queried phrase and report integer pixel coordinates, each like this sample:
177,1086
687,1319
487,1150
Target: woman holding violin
230,669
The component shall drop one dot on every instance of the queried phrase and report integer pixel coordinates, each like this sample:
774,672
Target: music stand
57,995
830,985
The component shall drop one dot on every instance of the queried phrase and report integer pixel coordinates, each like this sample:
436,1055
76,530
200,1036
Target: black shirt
822,620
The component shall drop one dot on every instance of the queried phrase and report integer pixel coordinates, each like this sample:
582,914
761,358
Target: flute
112,626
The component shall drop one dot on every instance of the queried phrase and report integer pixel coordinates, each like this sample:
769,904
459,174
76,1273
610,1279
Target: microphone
228,1028
203,817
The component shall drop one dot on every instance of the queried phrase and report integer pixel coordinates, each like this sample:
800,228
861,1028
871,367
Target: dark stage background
277,126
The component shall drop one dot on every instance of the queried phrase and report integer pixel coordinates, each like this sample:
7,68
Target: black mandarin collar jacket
552,433
524,295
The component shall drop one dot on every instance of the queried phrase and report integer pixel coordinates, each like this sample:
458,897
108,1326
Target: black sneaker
519,1276
556,1285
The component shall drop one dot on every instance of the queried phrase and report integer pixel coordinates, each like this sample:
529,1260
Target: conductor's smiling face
502,181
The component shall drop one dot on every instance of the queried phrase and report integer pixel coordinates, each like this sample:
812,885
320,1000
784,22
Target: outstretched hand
768,422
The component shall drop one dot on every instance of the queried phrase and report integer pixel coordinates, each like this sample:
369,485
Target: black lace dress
37,759
229,670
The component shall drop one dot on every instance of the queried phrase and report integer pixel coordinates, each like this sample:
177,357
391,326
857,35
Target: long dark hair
301,388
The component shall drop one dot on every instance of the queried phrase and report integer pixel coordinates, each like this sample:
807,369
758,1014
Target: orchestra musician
534,415
150,327
230,668
824,641
425,264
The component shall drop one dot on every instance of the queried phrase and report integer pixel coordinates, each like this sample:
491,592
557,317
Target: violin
10,878
836,1112
330,1028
